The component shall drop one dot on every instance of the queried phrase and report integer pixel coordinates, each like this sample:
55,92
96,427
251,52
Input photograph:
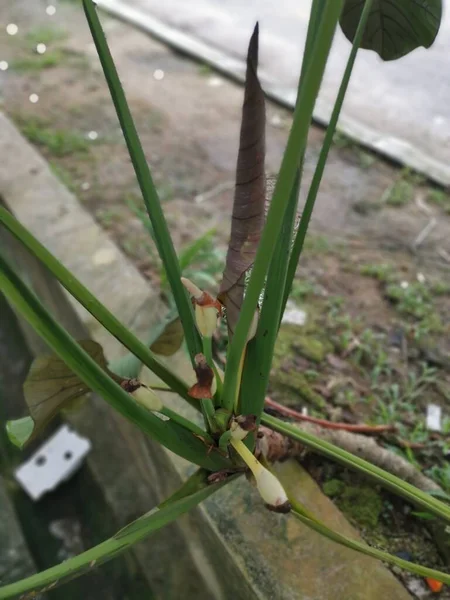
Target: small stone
12,29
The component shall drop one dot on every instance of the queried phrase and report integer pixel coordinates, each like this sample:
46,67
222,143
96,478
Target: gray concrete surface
401,108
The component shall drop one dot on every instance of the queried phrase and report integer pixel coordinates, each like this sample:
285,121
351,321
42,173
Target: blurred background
372,289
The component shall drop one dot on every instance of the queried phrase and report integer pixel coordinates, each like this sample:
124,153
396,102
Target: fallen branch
361,428
274,446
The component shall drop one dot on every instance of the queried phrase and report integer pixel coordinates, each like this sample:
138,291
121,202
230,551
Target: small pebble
404,285
3,65
420,277
50,10
41,48
34,98
12,29
158,74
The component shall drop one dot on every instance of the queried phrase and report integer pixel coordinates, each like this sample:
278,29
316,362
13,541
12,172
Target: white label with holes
54,462
434,413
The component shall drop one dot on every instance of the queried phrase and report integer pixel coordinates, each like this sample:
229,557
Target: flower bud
207,308
272,492
143,395
270,489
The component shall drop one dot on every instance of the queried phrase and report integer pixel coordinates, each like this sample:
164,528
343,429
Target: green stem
94,306
320,167
316,525
259,357
207,351
291,159
400,487
167,433
162,235
177,418
179,503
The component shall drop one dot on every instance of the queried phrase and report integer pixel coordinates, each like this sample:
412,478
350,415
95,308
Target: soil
376,295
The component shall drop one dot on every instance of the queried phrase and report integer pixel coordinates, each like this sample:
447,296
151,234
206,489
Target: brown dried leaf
52,386
249,199
205,377
170,339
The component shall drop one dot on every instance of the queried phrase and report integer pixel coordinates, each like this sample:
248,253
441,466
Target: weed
400,193
411,298
205,70
383,272
302,289
38,62
64,176
440,288
59,142
317,244
440,198
45,35
108,216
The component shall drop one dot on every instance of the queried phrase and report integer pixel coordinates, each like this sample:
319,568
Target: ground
374,280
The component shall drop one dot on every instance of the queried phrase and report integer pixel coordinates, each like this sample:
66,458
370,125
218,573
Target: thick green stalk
259,356
406,490
194,491
317,178
161,231
291,159
173,436
94,306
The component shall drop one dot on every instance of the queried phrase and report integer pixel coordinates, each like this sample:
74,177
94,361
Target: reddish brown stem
289,412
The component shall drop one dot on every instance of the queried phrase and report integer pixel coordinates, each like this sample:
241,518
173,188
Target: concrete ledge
394,148
230,547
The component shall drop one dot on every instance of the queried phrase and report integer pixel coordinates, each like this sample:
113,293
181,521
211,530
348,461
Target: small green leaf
20,431
394,27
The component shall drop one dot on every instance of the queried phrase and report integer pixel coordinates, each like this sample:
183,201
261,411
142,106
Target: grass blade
170,434
94,306
194,491
387,480
321,528
320,167
294,151
161,232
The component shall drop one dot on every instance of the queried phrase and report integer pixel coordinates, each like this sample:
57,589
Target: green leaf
321,528
194,491
163,240
400,487
168,433
20,431
94,306
395,27
51,386
248,217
